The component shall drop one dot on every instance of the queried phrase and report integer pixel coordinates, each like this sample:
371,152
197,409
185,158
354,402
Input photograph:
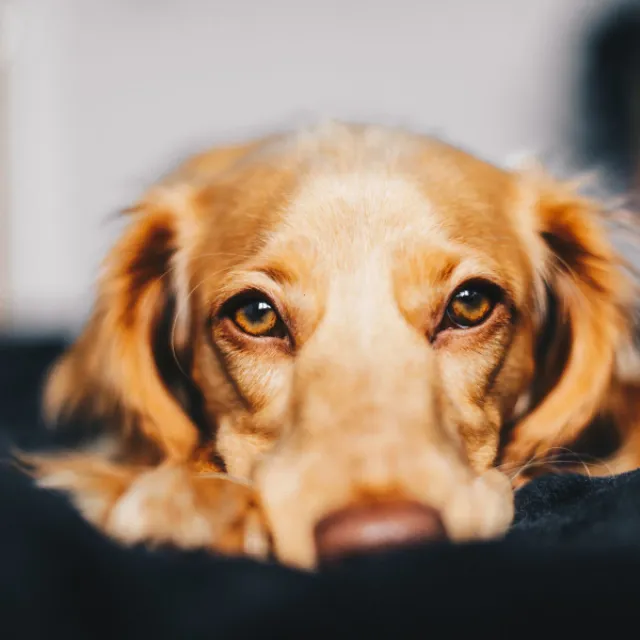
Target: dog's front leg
165,505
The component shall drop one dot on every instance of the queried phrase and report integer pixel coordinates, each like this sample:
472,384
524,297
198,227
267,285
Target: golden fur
358,235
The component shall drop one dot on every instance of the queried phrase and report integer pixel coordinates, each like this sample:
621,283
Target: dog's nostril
375,527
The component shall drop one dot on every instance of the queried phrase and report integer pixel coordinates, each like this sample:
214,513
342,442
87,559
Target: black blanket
571,561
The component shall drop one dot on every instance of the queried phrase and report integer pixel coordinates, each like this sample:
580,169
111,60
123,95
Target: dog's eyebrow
445,272
276,273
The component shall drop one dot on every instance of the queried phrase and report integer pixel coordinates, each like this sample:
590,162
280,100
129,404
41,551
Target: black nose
375,527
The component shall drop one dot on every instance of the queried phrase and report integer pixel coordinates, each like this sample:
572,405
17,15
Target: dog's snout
375,527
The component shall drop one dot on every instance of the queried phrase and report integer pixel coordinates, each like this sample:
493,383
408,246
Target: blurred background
98,98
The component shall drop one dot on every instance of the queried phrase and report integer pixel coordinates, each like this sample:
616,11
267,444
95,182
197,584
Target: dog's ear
584,303
111,373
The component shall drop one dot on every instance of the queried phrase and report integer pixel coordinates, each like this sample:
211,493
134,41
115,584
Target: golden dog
313,344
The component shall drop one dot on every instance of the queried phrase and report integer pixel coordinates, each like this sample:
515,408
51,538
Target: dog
342,339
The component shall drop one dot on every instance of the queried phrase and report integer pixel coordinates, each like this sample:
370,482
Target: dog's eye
470,306
257,318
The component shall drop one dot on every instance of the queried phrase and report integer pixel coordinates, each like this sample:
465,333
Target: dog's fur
358,236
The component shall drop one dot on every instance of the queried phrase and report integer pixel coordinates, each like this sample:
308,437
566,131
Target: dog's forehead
359,206
330,200
425,195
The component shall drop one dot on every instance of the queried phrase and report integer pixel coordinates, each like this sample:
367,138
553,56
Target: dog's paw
165,505
93,484
483,509
172,505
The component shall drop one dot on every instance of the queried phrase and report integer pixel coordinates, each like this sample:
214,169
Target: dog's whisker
523,468
179,310
595,460
554,462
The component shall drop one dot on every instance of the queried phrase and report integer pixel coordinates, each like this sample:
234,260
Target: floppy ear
112,372
576,264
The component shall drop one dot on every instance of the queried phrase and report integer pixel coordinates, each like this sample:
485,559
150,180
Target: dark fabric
23,363
571,563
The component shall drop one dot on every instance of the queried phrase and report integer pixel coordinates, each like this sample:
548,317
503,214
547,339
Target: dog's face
361,314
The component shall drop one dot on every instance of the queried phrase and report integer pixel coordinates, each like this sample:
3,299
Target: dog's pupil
470,299
256,311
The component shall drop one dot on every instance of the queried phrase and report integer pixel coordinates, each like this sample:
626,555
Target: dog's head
353,316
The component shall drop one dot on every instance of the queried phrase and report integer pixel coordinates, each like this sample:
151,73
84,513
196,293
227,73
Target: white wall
106,94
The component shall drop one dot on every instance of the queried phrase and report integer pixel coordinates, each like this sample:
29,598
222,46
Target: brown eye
470,306
257,318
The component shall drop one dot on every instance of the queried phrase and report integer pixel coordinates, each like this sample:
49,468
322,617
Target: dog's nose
375,527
